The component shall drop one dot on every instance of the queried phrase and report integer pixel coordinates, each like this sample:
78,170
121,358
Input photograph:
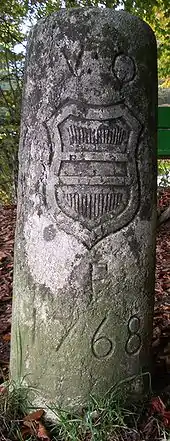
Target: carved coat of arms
93,185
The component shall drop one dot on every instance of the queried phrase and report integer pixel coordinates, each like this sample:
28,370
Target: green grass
101,421
107,419
13,406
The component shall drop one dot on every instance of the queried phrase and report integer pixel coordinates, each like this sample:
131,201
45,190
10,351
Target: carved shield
94,166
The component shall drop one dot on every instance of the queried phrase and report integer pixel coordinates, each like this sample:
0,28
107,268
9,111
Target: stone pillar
85,237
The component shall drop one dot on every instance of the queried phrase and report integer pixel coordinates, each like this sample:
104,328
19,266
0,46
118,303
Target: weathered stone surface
85,238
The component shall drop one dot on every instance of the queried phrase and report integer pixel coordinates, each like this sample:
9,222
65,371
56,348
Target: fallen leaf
34,416
42,433
6,337
3,389
34,428
157,406
166,418
2,254
30,428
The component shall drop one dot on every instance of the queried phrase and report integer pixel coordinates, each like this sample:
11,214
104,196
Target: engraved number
101,345
134,341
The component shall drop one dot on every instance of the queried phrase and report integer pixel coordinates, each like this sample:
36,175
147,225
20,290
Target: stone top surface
75,54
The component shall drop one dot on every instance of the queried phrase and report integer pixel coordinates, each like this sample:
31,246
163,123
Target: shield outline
64,220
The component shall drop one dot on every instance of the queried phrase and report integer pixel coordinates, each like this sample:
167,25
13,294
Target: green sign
164,132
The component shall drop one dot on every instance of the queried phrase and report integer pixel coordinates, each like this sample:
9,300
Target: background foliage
16,16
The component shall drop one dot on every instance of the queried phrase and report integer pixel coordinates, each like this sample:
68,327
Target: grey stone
86,219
